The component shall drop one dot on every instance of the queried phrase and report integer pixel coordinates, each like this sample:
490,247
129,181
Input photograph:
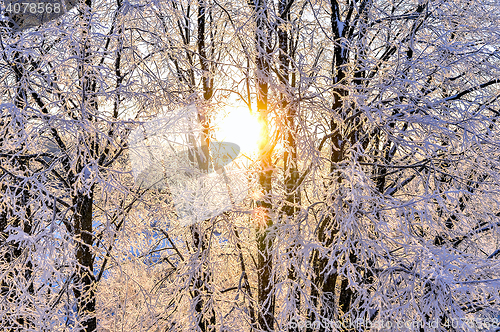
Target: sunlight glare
238,125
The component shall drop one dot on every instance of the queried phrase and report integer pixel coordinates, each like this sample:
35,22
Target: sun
237,125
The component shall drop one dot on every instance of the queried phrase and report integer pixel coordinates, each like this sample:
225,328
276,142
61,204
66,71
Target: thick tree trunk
290,167
264,205
85,288
333,286
206,316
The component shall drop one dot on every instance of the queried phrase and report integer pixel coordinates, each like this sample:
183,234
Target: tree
401,105
57,130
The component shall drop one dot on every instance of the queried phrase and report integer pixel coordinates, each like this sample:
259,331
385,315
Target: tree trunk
85,271
290,167
206,316
84,289
264,205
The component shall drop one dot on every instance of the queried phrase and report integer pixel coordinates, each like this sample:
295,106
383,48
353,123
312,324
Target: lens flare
238,125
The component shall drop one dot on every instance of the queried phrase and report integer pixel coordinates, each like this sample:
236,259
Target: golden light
237,125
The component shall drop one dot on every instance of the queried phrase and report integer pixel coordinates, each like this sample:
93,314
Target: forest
258,165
